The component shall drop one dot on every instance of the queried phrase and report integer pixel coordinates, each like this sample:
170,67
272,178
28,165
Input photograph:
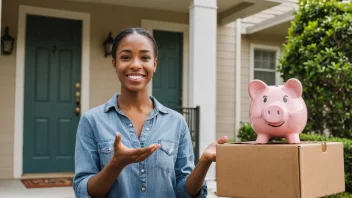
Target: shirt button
130,125
147,129
142,170
143,189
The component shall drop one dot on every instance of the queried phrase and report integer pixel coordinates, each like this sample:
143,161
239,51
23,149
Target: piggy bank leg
293,138
262,138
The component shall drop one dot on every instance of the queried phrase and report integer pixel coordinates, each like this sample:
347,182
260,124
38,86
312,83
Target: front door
167,80
53,67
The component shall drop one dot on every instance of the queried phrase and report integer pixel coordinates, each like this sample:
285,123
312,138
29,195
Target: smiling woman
132,145
134,61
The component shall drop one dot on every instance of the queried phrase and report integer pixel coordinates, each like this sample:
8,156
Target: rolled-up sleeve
86,158
185,165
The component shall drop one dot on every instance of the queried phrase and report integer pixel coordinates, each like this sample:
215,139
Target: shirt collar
113,103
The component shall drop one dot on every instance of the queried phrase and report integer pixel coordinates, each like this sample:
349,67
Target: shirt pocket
166,155
106,151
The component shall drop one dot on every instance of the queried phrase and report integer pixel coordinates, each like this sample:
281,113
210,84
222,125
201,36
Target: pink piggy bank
277,111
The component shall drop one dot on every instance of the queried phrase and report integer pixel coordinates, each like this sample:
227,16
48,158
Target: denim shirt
163,174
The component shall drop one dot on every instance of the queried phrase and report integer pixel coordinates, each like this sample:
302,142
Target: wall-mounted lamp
108,45
7,42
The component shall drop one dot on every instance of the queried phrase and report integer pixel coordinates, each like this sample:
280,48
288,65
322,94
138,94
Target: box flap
321,169
267,170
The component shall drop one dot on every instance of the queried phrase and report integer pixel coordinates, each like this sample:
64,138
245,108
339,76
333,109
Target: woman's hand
209,155
124,155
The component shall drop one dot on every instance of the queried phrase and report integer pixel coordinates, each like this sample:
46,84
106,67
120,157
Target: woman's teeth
135,77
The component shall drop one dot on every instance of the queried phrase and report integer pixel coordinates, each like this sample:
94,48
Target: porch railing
192,118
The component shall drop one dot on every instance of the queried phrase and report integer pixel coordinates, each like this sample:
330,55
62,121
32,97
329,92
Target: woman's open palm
124,155
210,152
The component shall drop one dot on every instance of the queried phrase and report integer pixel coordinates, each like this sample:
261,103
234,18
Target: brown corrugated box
305,170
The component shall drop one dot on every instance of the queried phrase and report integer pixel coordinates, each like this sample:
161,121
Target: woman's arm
89,181
195,180
100,184
190,179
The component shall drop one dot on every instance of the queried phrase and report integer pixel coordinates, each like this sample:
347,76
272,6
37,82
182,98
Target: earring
154,71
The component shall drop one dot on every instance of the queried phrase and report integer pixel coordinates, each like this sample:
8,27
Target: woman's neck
134,100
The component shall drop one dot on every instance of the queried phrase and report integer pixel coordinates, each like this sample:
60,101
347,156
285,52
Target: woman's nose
136,64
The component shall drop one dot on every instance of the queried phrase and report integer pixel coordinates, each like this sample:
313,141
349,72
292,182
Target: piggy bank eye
265,98
285,98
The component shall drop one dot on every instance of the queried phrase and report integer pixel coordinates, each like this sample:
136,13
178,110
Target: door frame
151,25
20,71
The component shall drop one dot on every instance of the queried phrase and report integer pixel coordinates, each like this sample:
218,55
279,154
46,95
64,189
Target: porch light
108,45
7,42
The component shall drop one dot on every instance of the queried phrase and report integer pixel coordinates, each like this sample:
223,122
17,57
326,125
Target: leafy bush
341,195
319,53
246,133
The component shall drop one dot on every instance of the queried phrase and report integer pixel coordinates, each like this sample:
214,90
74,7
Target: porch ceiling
277,31
228,10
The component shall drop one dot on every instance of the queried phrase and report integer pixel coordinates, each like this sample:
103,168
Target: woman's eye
125,57
145,58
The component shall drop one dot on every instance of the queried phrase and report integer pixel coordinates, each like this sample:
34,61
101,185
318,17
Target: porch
207,29
13,188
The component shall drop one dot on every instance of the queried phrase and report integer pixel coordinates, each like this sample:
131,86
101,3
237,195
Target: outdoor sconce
7,42
108,45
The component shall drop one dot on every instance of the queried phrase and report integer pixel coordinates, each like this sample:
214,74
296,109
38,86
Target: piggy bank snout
274,113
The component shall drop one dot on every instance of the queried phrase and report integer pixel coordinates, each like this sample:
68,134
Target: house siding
225,81
226,76
103,81
259,39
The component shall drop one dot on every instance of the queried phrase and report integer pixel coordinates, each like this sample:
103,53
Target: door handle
78,99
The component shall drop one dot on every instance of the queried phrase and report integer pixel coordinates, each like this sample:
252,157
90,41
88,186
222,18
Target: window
263,64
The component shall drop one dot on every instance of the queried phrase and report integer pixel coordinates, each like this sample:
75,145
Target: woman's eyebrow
128,51
144,51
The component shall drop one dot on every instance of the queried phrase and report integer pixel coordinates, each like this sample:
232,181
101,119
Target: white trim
20,71
283,18
0,24
278,79
150,25
238,76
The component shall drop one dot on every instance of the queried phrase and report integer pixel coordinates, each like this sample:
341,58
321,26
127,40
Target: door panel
52,68
167,80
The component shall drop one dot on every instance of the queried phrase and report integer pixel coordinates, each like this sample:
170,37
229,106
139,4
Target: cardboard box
305,170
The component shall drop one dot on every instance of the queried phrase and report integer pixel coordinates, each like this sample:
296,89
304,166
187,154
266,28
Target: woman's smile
135,77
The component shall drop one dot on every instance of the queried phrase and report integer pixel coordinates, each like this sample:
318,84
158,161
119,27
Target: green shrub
341,195
319,53
246,133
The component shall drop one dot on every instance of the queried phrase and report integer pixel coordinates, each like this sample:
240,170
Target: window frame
278,79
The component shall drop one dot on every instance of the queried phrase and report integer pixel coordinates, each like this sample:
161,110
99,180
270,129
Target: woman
133,146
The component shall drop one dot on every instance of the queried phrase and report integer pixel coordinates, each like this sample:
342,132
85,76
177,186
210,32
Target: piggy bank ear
295,85
255,86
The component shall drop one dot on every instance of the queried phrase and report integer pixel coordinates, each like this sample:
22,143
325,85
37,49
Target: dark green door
53,67
167,80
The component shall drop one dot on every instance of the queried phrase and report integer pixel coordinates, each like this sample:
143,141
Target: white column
238,76
202,74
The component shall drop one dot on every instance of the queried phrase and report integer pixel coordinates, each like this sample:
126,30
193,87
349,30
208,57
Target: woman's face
135,62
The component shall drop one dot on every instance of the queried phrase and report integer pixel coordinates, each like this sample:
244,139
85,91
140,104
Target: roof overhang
283,18
244,9
228,10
